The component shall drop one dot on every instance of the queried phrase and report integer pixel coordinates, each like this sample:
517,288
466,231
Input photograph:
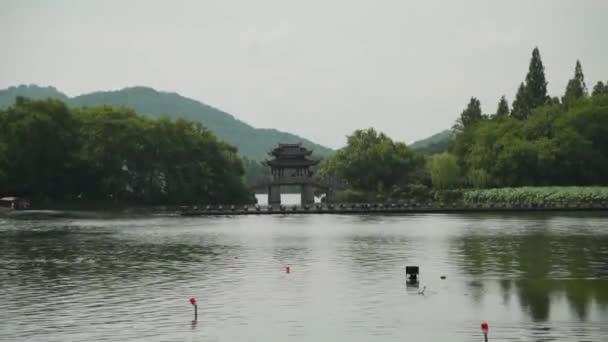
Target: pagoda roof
291,163
290,150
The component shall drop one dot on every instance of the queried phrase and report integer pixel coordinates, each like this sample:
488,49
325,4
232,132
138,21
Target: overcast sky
318,68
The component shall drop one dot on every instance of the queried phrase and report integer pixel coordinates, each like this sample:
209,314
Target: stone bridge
308,185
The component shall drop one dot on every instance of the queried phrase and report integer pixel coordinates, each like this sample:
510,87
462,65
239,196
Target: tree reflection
370,252
539,267
64,253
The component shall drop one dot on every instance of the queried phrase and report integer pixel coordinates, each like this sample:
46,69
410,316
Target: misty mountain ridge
253,143
436,143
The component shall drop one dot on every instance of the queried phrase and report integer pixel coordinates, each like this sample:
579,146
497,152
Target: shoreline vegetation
55,154
518,197
543,152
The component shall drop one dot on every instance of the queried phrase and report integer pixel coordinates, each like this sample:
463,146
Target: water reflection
534,277
369,252
65,253
539,268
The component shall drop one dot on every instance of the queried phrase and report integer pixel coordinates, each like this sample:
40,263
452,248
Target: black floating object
442,277
412,272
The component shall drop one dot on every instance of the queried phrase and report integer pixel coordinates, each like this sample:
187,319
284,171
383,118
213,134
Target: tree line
374,165
104,153
48,150
540,140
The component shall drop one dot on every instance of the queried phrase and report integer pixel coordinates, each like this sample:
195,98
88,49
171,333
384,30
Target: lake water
533,277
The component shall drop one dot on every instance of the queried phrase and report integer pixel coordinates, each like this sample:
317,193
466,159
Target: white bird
421,292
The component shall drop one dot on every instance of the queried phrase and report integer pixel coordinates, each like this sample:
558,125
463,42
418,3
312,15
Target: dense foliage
540,141
255,172
444,170
543,141
49,151
371,161
103,152
252,143
552,195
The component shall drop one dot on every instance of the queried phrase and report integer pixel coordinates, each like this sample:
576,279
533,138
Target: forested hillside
49,151
251,142
434,144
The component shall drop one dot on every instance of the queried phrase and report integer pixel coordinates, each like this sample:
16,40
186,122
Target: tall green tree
471,114
444,170
600,88
521,105
371,161
503,107
39,139
576,87
536,83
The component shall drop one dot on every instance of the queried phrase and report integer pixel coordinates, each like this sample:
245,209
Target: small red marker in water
193,302
484,329
287,269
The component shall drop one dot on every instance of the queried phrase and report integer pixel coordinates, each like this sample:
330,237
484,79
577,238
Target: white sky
318,68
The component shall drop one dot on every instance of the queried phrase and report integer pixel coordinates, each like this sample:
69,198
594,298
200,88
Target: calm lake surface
533,277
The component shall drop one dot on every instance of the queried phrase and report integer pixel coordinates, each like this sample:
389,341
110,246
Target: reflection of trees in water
540,266
534,297
290,253
371,251
505,287
73,254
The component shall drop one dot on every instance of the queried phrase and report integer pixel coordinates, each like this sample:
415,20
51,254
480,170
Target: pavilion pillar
308,195
274,194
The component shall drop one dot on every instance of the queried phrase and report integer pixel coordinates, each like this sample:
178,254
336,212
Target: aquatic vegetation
538,195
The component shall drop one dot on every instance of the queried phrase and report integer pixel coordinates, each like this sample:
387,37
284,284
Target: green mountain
436,143
253,143
7,96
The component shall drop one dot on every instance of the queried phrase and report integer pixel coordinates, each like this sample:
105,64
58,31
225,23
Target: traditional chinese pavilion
291,166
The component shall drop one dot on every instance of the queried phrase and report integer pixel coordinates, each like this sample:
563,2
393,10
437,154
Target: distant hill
253,143
7,96
436,143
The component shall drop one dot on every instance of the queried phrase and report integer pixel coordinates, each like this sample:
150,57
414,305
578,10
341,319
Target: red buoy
193,302
287,269
484,329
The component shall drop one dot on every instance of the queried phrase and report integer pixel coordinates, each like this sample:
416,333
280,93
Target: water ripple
534,277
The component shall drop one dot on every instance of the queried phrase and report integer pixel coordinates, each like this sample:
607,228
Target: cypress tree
576,87
521,105
472,113
536,84
503,107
